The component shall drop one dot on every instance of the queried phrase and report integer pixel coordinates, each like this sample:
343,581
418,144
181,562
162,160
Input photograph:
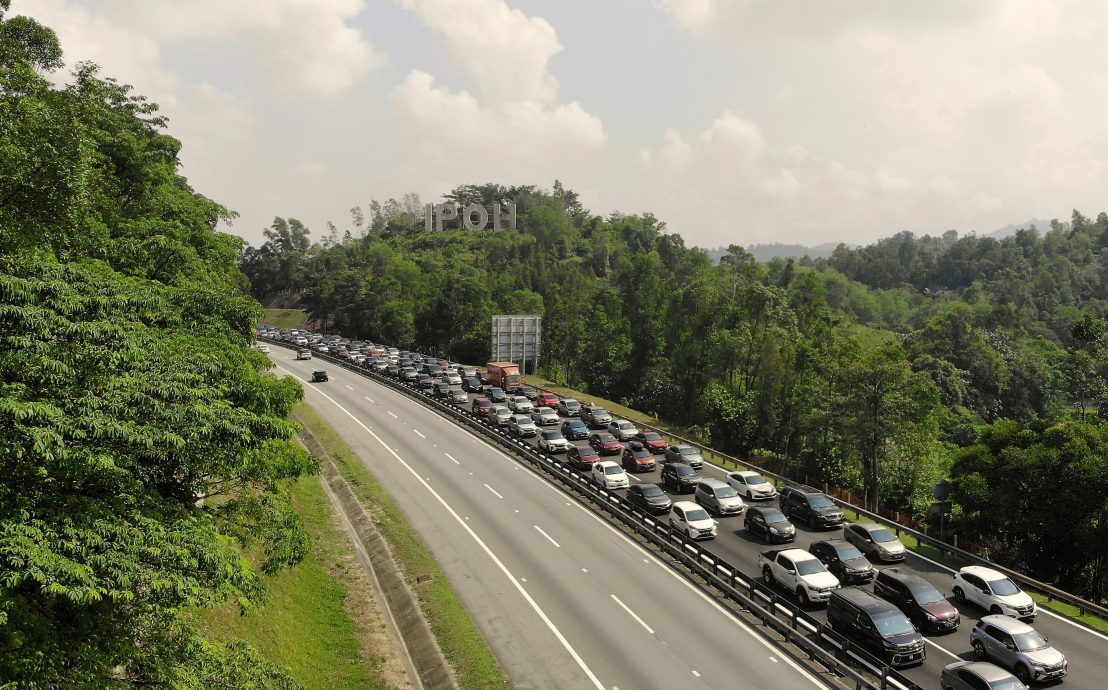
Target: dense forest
142,447
882,368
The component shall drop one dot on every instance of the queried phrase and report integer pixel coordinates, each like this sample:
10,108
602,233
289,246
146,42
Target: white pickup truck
798,571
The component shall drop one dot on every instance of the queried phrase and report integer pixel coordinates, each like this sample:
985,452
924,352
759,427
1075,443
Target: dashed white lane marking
419,433
938,646
696,674
634,615
348,387
773,659
484,547
370,399
584,570
452,458
393,414
548,537
494,491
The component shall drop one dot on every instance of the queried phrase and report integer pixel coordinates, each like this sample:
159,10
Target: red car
581,458
547,399
481,406
638,459
605,444
652,441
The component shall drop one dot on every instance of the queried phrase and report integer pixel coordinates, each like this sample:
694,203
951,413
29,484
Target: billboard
517,338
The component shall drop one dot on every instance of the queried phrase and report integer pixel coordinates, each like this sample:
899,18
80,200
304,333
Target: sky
734,121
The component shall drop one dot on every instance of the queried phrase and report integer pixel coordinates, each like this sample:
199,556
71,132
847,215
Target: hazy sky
735,121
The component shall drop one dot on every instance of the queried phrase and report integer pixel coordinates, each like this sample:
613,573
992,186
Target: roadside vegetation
286,318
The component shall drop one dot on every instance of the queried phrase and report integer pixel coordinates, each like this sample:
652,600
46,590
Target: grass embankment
457,635
285,318
316,623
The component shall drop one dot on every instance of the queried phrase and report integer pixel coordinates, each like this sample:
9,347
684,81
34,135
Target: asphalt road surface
565,599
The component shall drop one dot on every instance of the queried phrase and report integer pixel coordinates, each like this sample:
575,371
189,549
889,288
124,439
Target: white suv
993,591
692,520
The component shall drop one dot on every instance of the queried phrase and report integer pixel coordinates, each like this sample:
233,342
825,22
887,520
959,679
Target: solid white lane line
494,491
548,537
390,412
634,615
452,458
418,433
484,547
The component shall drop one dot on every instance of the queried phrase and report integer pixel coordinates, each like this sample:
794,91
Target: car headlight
776,531
931,618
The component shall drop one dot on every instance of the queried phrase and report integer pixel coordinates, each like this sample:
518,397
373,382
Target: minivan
718,497
877,625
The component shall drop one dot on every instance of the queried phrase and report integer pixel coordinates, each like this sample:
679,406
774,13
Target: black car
769,523
472,385
497,395
392,370
844,560
574,430
876,625
319,376
680,477
442,390
458,396
582,458
649,497
810,506
920,600
425,382
528,392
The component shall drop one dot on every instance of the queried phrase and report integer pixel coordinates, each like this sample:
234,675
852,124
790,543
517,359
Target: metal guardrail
816,639
1051,592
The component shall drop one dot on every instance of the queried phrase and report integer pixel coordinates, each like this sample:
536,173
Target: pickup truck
798,571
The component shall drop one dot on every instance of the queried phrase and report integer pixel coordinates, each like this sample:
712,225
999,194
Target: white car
993,591
545,416
752,485
622,429
453,378
264,348
520,404
610,475
552,441
692,520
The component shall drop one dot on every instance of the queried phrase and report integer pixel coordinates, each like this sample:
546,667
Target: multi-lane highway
565,599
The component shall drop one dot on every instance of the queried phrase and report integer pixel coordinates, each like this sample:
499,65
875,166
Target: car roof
842,544
866,600
796,554
983,572
714,483
607,463
911,580
1010,625
764,510
685,505
869,526
747,473
988,672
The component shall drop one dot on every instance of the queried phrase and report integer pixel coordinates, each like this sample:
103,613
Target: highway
565,599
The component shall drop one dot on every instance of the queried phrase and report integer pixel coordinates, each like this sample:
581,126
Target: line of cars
886,621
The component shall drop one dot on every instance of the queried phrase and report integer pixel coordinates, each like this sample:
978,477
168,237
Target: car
638,459
875,541
690,519
770,523
609,475
408,374
622,429
527,392
453,378
844,560
993,591
684,453
652,441
594,416
545,416
920,600
468,372
303,353
810,505
680,477
552,441
547,399
520,404
472,385
582,458
458,396
575,430
480,406
799,572
752,485
263,348
568,407
1017,647
521,426
977,675
440,390
392,370
497,394
319,376
604,443
499,415
876,625
649,497
719,497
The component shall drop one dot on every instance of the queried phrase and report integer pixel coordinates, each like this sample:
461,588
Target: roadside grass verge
314,624
285,318
463,645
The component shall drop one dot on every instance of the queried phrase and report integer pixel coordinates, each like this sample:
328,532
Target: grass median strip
457,635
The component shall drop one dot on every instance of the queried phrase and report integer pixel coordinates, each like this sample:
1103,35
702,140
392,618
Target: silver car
520,404
522,426
1015,645
622,429
977,675
500,415
545,416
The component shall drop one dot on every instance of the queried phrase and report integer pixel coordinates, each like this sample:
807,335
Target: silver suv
718,497
1016,646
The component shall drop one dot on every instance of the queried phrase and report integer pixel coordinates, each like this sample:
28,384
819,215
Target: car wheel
995,610
979,649
803,595
767,576
959,595
1023,674
750,495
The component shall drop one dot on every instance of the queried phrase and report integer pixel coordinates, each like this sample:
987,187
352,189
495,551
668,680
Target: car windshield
809,567
599,410
586,452
502,410
651,490
698,514
576,424
1004,588
652,436
685,450
893,623
606,438
820,501
626,425
641,453
755,479
882,535
552,435
613,469
726,492
775,517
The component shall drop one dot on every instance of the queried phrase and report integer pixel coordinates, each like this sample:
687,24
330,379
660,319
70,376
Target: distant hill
1009,230
776,250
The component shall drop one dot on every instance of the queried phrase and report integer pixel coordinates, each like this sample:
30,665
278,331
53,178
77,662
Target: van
718,497
876,625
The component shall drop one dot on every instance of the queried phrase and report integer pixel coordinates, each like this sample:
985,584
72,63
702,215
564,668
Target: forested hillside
141,447
881,368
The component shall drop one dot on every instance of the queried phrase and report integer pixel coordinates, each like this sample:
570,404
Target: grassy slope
285,318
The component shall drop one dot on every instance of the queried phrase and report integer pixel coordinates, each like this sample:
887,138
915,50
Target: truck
504,375
798,571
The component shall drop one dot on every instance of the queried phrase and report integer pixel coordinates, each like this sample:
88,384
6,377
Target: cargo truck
504,375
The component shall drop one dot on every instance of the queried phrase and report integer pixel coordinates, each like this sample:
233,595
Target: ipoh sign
473,216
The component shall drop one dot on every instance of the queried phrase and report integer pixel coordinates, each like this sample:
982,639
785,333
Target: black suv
844,560
920,600
680,477
768,522
649,497
877,625
810,506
